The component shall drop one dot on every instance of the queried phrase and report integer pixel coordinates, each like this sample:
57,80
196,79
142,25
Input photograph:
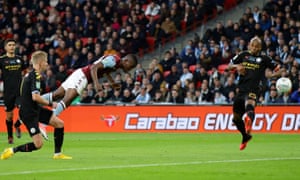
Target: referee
11,67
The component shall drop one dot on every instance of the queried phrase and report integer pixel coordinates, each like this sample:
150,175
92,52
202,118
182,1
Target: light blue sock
59,108
48,97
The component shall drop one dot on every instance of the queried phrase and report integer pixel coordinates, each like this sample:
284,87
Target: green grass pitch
165,156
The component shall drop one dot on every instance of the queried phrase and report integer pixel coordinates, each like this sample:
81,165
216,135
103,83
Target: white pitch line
147,165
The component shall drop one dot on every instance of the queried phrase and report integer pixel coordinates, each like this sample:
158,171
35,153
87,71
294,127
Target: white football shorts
77,80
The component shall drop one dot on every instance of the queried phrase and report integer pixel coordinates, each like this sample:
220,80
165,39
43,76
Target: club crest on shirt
258,60
32,130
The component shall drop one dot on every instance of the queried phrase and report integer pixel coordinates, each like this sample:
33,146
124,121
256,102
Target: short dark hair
9,40
133,58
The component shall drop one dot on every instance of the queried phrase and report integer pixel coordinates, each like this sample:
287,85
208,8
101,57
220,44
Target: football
283,85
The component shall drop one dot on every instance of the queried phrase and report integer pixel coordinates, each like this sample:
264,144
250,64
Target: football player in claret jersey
79,79
252,66
11,66
32,112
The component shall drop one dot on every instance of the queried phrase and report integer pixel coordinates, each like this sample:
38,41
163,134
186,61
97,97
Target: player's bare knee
59,123
9,116
38,144
56,122
58,94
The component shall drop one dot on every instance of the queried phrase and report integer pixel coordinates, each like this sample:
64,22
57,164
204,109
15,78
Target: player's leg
250,113
19,121
50,97
31,124
9,104
70,95
9,126
55,95
73,86
18,128
238,111
70,89
58,125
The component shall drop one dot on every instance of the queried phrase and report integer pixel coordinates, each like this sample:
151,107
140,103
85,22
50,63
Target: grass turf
158,156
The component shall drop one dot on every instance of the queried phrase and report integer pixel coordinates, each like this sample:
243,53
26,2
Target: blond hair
38,56
256,39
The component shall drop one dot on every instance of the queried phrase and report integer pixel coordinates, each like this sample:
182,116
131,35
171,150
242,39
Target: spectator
218,31
205,58
229,86
173,77
176,97
152,9
219,98
186,75
176,18
143,97
140,73
188,56
230,98
127,97
273,97
50,81
128,83
217,86
199,75
216,57
61,75
189,98
90,90
167,61
284,98
123,47
136,89
62,50
116,97
68,58
169,27
85,98
100,97
110,50
90,45
158,97
296,54
52,56
75,62
205,95
156,81
295,96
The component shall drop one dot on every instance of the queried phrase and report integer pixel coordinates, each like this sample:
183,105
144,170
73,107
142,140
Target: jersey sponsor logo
249,65
109,119
13,67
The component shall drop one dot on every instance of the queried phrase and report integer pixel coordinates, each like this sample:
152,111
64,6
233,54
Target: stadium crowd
77,32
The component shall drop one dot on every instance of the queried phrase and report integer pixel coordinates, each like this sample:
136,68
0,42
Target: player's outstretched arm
94,74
